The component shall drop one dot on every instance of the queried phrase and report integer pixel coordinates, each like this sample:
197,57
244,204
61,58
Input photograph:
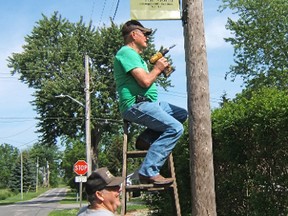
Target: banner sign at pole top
155,9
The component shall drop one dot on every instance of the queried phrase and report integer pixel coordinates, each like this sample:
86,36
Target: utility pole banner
154,9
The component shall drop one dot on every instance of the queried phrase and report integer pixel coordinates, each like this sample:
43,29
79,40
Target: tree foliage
29,174
250,152
249,132
250,158
8,156
48,159
74,150
260,41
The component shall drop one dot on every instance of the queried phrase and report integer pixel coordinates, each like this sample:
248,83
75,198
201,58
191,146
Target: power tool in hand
167,71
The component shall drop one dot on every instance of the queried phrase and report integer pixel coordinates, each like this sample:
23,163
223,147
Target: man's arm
145,79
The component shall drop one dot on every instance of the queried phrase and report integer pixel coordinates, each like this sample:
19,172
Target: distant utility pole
200,138
37,173
21,170
48,173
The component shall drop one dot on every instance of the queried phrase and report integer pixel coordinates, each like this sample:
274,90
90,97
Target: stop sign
81,167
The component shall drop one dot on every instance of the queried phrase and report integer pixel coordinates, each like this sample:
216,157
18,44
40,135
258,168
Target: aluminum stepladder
144,187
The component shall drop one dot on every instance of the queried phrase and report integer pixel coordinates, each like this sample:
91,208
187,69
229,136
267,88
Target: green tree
250,151
75,150
48,158
8,156
260,41
52,62
29,174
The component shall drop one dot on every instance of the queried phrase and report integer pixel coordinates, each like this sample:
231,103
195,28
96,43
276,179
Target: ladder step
135,154
147,187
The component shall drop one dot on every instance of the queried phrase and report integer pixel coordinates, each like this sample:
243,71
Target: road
40,206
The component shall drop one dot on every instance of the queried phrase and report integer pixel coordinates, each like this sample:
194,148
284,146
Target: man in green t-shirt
138,101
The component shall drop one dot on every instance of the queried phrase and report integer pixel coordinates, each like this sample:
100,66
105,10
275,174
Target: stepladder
127,187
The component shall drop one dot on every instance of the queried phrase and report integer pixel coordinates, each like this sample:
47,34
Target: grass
66,212
71,198
13,198
70,212
5,193
134,205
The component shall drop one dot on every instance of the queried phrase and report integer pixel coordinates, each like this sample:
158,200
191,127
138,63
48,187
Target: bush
5,193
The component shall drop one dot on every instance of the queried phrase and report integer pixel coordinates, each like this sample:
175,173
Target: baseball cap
100,179
132,25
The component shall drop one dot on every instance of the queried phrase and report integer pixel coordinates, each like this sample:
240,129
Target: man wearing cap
103,190
138,101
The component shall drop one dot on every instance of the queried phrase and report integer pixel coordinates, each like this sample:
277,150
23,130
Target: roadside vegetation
8,197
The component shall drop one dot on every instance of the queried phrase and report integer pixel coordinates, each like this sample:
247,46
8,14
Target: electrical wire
112,7
92,10
16,134
116,9
101,16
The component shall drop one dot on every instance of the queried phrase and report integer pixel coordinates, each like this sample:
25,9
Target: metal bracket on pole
185,15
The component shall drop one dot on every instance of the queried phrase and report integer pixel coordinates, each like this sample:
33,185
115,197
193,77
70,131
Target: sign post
80,168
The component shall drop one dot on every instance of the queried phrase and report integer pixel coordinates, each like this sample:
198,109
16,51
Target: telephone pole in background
200,137
37,173
21,171
88,116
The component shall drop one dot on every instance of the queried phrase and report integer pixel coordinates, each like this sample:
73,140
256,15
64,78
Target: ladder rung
135,154
147,187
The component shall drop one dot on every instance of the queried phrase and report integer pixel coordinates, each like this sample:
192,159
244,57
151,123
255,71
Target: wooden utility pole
88,116
200,139
21,171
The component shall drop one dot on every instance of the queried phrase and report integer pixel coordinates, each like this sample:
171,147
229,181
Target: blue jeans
164,118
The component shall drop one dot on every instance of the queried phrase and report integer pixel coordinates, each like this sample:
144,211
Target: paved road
40,206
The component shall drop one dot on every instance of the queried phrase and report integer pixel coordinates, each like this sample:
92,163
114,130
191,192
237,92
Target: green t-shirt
127,87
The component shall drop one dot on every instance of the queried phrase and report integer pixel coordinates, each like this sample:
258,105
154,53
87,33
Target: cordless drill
167,71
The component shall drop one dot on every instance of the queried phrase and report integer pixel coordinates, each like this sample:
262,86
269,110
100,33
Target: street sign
81,167
80,178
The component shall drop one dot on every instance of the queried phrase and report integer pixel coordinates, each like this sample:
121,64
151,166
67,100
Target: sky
18,17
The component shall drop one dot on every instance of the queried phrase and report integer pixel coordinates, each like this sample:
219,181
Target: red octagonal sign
81,167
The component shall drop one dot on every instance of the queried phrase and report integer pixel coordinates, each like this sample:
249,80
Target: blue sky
18,17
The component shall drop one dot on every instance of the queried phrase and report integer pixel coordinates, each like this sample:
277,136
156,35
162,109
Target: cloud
215,32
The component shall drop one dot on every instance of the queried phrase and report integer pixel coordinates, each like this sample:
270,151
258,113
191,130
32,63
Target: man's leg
148,136
158,117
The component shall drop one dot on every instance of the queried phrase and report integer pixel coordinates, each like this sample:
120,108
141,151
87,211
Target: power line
116,9
16,121
9,77
111,7
24,144
92,10
101,16
16,134
64,118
